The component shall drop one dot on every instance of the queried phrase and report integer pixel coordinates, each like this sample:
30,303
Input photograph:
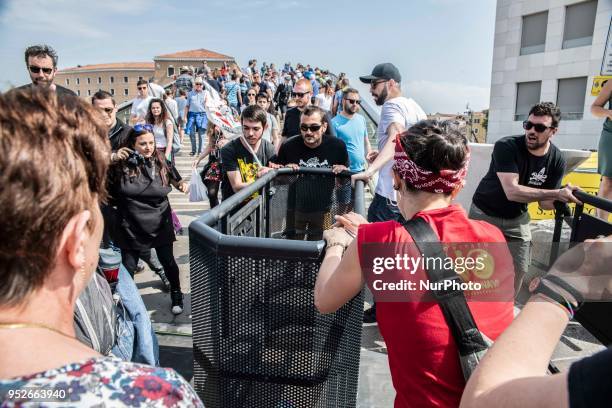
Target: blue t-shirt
353,132
232,92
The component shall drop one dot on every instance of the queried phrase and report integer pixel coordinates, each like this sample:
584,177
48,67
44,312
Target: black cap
386,70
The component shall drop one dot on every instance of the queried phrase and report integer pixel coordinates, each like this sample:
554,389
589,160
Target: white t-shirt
271,125
406,112
172,107
140,107
325,101
155,90
160,135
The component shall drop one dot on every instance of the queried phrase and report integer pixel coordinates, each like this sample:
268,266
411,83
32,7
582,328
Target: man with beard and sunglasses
523,169
41,61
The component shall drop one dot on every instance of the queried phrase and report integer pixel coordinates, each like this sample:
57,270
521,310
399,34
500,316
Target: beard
380,100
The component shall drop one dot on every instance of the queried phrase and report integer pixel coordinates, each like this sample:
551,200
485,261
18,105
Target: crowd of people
105,185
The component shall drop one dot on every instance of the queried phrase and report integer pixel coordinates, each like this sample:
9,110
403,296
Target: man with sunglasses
140,104
117,130
523,169
310,198
41,61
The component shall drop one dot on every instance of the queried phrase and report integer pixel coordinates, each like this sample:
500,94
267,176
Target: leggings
165,254
213,192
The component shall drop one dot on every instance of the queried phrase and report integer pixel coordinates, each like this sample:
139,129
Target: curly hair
547,109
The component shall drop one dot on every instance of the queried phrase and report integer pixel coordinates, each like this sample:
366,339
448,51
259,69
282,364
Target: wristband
578,298
538,286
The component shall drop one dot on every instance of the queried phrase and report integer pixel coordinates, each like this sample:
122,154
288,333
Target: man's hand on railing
264,170
566,194
339,168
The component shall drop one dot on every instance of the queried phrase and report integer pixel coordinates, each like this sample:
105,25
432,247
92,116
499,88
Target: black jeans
165,254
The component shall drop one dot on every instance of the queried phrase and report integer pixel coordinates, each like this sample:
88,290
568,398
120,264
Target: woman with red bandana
430,167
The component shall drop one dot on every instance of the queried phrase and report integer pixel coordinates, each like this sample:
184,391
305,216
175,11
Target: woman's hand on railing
350,222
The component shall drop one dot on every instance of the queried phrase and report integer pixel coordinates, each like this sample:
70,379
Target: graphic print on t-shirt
313,162
538,178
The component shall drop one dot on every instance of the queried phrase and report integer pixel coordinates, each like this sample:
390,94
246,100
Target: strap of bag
452,302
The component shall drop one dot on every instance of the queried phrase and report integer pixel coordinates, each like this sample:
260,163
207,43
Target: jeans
165,254
383,209
196,121
136,340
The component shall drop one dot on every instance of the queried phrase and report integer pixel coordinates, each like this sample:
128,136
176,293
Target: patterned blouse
102,382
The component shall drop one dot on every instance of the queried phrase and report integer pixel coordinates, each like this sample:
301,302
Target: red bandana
417,177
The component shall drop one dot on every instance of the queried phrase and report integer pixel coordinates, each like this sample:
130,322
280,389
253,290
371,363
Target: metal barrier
258,340
594,316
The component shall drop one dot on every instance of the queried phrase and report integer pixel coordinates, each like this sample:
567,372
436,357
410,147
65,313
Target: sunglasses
198,84
141,128
374,84
312,128
527,125
36,70
300,94
142,88
353,101
108,111
250,94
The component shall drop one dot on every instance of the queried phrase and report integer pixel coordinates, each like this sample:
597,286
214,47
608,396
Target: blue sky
443,48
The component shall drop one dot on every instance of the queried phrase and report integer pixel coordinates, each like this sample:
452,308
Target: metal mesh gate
258,339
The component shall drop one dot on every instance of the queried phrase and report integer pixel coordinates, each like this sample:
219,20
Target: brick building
120,78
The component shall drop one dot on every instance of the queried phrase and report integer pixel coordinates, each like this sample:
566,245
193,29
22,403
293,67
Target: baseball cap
386,70
199,80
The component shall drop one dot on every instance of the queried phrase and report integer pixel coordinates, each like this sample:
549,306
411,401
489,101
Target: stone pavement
375,387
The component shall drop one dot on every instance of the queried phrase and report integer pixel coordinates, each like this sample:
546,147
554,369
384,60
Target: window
579,24
533,36
99,80
570,97
89,92
78,93
170,70
88,81
125,80
67,81
475,131
112,91
125,92
112,80
476,120
527,95
78,81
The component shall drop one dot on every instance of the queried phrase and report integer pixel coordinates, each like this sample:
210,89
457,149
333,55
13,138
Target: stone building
120,78
550,50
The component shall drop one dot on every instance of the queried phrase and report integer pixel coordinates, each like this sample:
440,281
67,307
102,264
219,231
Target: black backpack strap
452,302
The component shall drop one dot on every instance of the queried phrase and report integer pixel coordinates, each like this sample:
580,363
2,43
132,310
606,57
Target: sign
598,84
606,66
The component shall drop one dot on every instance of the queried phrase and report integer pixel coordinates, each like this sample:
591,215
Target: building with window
120,78
471,124
548,50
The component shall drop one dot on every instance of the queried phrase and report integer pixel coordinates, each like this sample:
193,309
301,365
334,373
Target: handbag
472,344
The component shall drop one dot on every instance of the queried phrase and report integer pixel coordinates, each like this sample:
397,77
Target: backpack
472,344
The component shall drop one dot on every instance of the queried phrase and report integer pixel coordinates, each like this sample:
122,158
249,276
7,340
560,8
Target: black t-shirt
589,381
60,90
236,157
312,192
291,126
510,155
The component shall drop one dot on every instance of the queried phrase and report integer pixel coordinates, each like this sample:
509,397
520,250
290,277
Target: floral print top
101,382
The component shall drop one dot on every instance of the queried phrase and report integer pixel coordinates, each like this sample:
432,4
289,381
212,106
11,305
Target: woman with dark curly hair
139,187
163,128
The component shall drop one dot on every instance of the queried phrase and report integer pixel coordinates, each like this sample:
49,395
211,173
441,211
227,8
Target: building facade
120,78
548,50
472,124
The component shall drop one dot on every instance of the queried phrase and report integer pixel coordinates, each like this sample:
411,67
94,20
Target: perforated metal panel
258,339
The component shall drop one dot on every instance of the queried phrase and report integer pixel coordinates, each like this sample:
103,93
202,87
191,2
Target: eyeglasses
36,70
198,84
353,101
108,111
142,88
527,125
300,94
312,128
141,128
250,94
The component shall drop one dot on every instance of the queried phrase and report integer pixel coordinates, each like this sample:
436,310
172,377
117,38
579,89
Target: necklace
10,326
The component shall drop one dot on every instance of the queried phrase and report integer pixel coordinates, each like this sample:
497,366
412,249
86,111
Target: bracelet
333,244
555,297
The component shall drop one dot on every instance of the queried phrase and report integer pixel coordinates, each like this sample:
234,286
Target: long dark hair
150,118
133,166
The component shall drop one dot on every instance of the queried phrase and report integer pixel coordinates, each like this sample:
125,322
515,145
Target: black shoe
164,279
369,316
140,267
177,301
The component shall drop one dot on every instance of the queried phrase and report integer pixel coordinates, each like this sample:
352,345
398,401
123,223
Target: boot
177,301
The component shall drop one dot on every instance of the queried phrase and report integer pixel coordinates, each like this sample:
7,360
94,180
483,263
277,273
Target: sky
443,48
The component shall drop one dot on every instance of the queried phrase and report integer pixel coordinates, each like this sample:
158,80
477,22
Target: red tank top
423,357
